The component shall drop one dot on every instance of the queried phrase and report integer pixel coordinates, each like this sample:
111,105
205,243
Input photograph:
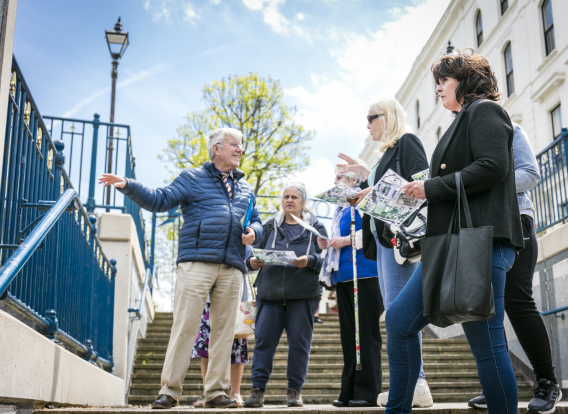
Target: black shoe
339,403
164,402
362,403
317,320
546,395
220,401
478,402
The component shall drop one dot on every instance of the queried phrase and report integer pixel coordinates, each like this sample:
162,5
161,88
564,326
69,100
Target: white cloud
189,14
274,18
215,2
253,4
143,74
164,10
369,66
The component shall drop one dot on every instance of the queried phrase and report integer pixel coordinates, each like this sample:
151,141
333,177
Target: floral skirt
239,353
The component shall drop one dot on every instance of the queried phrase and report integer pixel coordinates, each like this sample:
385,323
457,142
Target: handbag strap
461,199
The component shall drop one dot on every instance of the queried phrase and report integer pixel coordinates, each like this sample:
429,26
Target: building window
556,115
548,23
504,6
439,133
479,28
417,115
508,54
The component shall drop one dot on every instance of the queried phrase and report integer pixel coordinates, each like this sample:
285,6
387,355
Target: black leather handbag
456,270
408,236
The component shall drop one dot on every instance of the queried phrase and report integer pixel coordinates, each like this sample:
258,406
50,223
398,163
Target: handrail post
91,293
90,205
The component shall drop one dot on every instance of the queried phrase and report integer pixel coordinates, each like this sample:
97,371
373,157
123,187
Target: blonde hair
394,121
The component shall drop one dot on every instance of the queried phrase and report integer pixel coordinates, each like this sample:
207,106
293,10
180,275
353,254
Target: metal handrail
553,311
140,309
14,264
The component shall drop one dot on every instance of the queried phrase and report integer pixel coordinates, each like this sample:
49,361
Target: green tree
274,144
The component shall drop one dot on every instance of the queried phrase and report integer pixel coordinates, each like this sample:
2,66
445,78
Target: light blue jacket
527,174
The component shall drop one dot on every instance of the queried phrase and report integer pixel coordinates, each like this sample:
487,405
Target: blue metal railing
550,196
139,311
555,311
84,153
67,284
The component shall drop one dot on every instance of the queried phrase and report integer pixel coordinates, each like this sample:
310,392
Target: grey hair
217,136
352,174
302,189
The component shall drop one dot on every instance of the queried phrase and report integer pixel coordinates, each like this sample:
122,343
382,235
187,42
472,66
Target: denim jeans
392,278
405,319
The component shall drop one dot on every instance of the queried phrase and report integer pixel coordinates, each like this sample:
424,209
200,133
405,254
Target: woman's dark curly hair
476,79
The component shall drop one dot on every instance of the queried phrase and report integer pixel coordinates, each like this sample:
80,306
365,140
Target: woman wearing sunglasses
287,297
403,153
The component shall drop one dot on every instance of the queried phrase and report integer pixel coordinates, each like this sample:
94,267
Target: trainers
422,397
294,398
199,402
478,402
238,399
546,395
256,398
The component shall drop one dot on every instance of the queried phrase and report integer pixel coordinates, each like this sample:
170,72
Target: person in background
403,153
287,296
358,388
213,200
523,314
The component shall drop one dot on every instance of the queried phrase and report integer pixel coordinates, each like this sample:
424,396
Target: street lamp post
117,41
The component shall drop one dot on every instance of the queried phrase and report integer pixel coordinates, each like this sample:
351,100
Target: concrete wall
35,369
7,29
119,239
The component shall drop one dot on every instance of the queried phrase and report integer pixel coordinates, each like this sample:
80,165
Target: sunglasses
371,118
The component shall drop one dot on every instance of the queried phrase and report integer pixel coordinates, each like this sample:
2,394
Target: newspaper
275,257
421,176
338,195
387,202
308,227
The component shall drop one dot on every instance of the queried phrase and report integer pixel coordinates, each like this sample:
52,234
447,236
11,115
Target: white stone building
526,43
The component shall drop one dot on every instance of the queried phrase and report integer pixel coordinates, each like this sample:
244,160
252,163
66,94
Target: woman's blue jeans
405,319
392,278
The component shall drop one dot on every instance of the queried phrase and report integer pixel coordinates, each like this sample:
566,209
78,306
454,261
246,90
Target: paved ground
450,408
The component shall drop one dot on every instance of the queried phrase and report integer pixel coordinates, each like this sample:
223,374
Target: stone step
190,378
428,348
440,343
316,358
320,398
277,388
335,369
438,408
162,326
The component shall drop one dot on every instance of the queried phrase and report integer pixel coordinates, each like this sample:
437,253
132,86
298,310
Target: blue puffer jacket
212,229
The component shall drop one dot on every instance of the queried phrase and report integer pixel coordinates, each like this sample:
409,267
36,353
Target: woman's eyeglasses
371,118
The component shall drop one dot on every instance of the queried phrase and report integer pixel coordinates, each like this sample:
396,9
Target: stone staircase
449,365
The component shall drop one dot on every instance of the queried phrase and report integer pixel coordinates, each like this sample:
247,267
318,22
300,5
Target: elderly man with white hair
213,198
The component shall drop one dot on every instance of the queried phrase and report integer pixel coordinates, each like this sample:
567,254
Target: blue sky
332,57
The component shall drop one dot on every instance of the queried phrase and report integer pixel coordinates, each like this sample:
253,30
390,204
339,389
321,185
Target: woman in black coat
479,145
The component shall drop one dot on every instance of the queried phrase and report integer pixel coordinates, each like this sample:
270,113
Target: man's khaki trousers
194,281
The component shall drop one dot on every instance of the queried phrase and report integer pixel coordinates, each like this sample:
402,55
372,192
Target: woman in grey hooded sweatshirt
287,296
